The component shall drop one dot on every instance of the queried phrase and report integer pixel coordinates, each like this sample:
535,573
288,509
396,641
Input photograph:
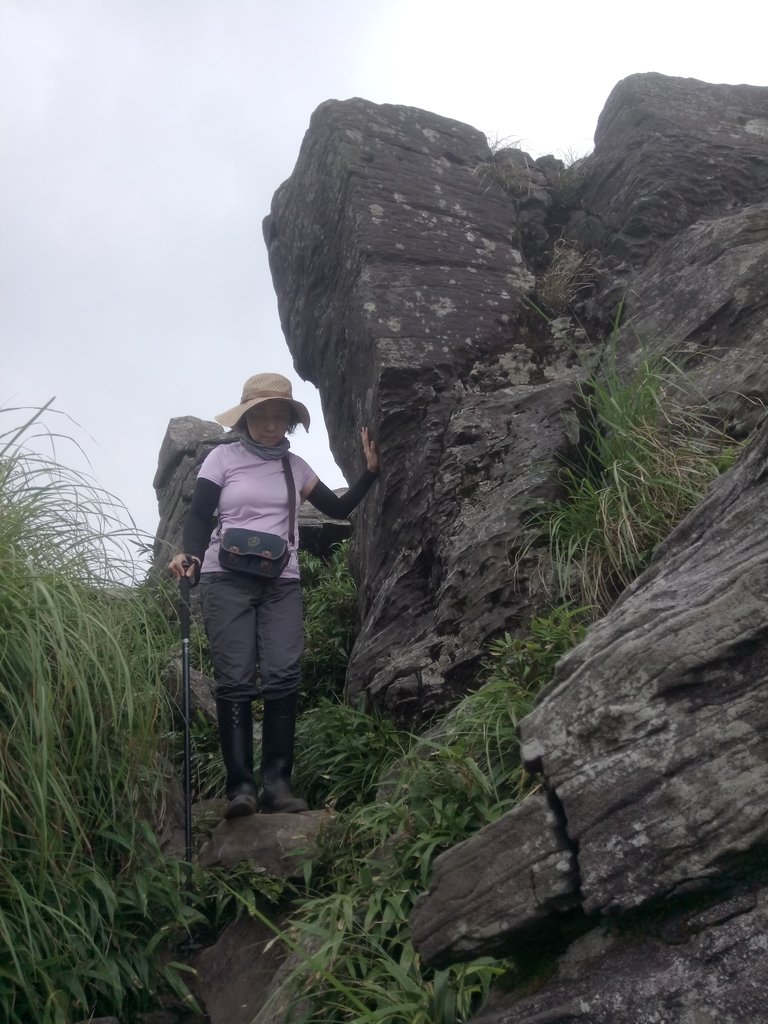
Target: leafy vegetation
343,751
649,454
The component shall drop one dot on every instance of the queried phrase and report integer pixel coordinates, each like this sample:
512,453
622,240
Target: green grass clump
651,452
342,753
330,621
86,896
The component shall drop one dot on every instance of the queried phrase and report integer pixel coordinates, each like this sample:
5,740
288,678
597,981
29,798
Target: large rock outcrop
703,967
653,736
677,190
389,263
670,152
401,288
404,274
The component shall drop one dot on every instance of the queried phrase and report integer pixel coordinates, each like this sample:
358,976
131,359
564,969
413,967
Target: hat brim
231,416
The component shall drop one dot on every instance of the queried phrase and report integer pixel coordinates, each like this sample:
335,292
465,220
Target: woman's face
268,422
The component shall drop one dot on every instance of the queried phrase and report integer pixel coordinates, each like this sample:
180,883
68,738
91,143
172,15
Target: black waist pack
260,554
252,553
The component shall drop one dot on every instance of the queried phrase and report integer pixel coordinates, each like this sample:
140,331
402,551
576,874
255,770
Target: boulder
202,690
318,534
234,975
186,443
674,199
701,302
401,290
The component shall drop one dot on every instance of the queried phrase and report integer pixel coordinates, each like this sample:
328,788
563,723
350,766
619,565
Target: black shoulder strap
291,500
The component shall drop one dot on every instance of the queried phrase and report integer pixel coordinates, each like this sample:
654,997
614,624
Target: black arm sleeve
329,504
197,527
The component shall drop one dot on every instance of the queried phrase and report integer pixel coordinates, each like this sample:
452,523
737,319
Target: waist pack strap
291,500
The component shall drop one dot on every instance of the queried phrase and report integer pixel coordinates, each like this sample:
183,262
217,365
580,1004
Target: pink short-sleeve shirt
254,496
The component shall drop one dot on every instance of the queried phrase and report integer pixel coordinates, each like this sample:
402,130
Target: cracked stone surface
712,970
496,891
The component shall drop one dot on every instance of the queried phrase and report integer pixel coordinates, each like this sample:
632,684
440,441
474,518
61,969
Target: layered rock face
654,734
401,289
677,190
670,152
652,743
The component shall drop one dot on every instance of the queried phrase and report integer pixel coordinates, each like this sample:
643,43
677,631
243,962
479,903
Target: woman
255,625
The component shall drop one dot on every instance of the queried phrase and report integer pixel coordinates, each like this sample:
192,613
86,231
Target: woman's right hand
370,451
184,565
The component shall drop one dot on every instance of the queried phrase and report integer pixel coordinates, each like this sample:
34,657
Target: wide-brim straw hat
263,387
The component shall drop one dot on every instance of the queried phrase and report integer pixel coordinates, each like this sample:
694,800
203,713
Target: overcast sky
141,142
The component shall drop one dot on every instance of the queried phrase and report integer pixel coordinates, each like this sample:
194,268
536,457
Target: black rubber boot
236,738
278,732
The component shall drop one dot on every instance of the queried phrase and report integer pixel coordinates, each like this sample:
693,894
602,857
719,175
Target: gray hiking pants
255,630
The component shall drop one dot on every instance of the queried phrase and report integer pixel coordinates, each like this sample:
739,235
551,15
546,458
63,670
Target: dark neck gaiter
278,451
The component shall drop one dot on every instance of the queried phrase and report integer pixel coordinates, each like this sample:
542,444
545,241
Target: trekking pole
184,621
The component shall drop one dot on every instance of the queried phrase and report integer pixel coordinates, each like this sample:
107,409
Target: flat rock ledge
277,843
498,889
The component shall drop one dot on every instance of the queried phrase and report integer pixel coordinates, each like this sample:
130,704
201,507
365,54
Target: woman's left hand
370,451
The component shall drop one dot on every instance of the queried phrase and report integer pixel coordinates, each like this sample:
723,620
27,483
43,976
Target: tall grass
53,515
651,450
85,895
